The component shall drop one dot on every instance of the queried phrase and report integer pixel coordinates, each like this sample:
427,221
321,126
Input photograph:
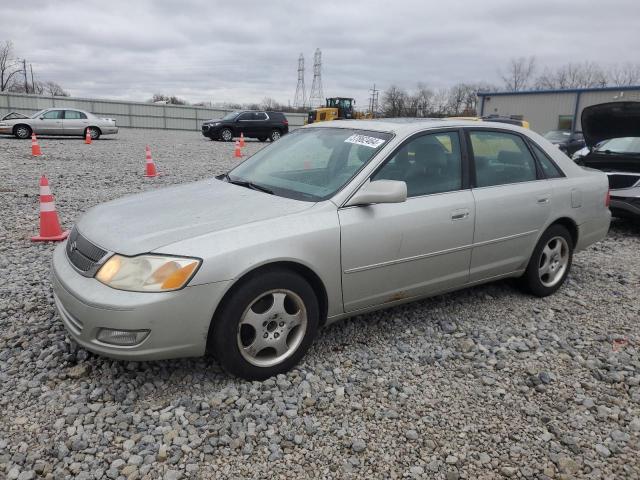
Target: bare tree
394,102
269,103
419,103
573,75
9,66
624,75
519,73
169,100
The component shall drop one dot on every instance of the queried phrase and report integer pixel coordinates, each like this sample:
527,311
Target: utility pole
24,70
373,100
33,85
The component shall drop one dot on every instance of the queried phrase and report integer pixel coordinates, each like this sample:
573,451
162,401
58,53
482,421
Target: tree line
520,74
15,78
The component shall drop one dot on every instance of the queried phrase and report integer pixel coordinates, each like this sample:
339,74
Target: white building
552,109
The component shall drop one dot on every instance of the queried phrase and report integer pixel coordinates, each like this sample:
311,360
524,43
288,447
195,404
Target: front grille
619,180
205,128
82,253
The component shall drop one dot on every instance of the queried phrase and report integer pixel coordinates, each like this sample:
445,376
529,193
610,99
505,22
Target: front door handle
543,200
459,214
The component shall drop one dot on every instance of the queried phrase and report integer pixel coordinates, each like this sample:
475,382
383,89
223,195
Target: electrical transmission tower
316,97
301,95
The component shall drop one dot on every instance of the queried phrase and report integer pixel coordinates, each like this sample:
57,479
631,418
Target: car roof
407,126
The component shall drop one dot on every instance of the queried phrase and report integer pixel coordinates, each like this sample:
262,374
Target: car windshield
310,164
37,114
557,135
230,116
620,145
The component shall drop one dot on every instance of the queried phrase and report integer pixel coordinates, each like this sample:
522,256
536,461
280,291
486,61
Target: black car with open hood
612,133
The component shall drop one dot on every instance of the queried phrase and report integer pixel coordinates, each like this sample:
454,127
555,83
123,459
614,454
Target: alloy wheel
554,261
272,328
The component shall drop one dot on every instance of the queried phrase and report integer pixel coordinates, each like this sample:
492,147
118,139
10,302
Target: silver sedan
57,121
333,220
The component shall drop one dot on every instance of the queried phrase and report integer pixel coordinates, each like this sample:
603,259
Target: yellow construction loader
336,108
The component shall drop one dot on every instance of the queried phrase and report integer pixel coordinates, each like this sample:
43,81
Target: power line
299,99
316,97
373,100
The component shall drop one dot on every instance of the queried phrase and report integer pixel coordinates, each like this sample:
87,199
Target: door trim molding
435,254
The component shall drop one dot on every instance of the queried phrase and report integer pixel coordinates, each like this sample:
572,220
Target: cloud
244,51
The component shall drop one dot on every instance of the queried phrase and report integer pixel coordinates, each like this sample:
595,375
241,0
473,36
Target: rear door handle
459,214
543,200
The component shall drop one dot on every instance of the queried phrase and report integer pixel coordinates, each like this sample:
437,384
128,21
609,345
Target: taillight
607,199
286,122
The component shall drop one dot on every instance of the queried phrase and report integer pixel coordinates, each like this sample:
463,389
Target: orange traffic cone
50,230
87,138
241,140
151,167
238,152
35,148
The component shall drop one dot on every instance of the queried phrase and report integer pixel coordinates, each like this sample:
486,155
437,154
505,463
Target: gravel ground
484,383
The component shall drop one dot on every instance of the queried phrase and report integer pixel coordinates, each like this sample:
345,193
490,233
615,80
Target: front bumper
210,131
178,321
625,202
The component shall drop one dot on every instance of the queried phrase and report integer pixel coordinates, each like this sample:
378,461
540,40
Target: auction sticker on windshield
365,140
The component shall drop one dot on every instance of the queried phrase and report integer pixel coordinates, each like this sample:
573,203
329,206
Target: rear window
548,167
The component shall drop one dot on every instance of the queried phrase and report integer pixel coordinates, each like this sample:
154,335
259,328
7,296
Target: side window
428,164
501,158
260,116
246,116
548,167
73,115
53,115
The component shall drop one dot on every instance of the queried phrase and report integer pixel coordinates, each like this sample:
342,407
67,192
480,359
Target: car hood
610,120
146,222
14,116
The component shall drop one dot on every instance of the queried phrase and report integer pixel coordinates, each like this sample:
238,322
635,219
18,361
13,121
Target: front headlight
147,273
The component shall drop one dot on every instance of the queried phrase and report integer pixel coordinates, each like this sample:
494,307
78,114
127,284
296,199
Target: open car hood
610,120
14,116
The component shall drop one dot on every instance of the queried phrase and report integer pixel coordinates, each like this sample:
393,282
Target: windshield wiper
244,183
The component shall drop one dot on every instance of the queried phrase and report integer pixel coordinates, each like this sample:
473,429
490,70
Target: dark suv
260,125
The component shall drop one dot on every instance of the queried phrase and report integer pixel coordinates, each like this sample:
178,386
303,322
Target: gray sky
245,51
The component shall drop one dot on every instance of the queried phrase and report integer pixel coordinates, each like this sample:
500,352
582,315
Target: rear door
512,202
392,252
74,122
50,123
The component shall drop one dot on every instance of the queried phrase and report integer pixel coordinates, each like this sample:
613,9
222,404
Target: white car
57,121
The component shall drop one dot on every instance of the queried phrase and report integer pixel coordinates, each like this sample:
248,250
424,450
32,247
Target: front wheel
22,131
266,325
262,139
550,263
226,135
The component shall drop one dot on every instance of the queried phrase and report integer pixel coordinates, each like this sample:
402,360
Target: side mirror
380,191
41,118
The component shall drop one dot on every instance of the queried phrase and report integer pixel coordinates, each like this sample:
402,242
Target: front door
50,123
245,124
391,252
512,203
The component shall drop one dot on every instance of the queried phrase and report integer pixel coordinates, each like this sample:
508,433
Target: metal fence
126,114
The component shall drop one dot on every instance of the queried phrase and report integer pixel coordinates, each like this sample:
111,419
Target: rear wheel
226,135
550,262
94,132
22,131
275,135
266,325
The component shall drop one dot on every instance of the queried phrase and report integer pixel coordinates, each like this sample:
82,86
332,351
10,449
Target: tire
553,255
94,132
226,135
268,301
275,135
22,131
262,139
